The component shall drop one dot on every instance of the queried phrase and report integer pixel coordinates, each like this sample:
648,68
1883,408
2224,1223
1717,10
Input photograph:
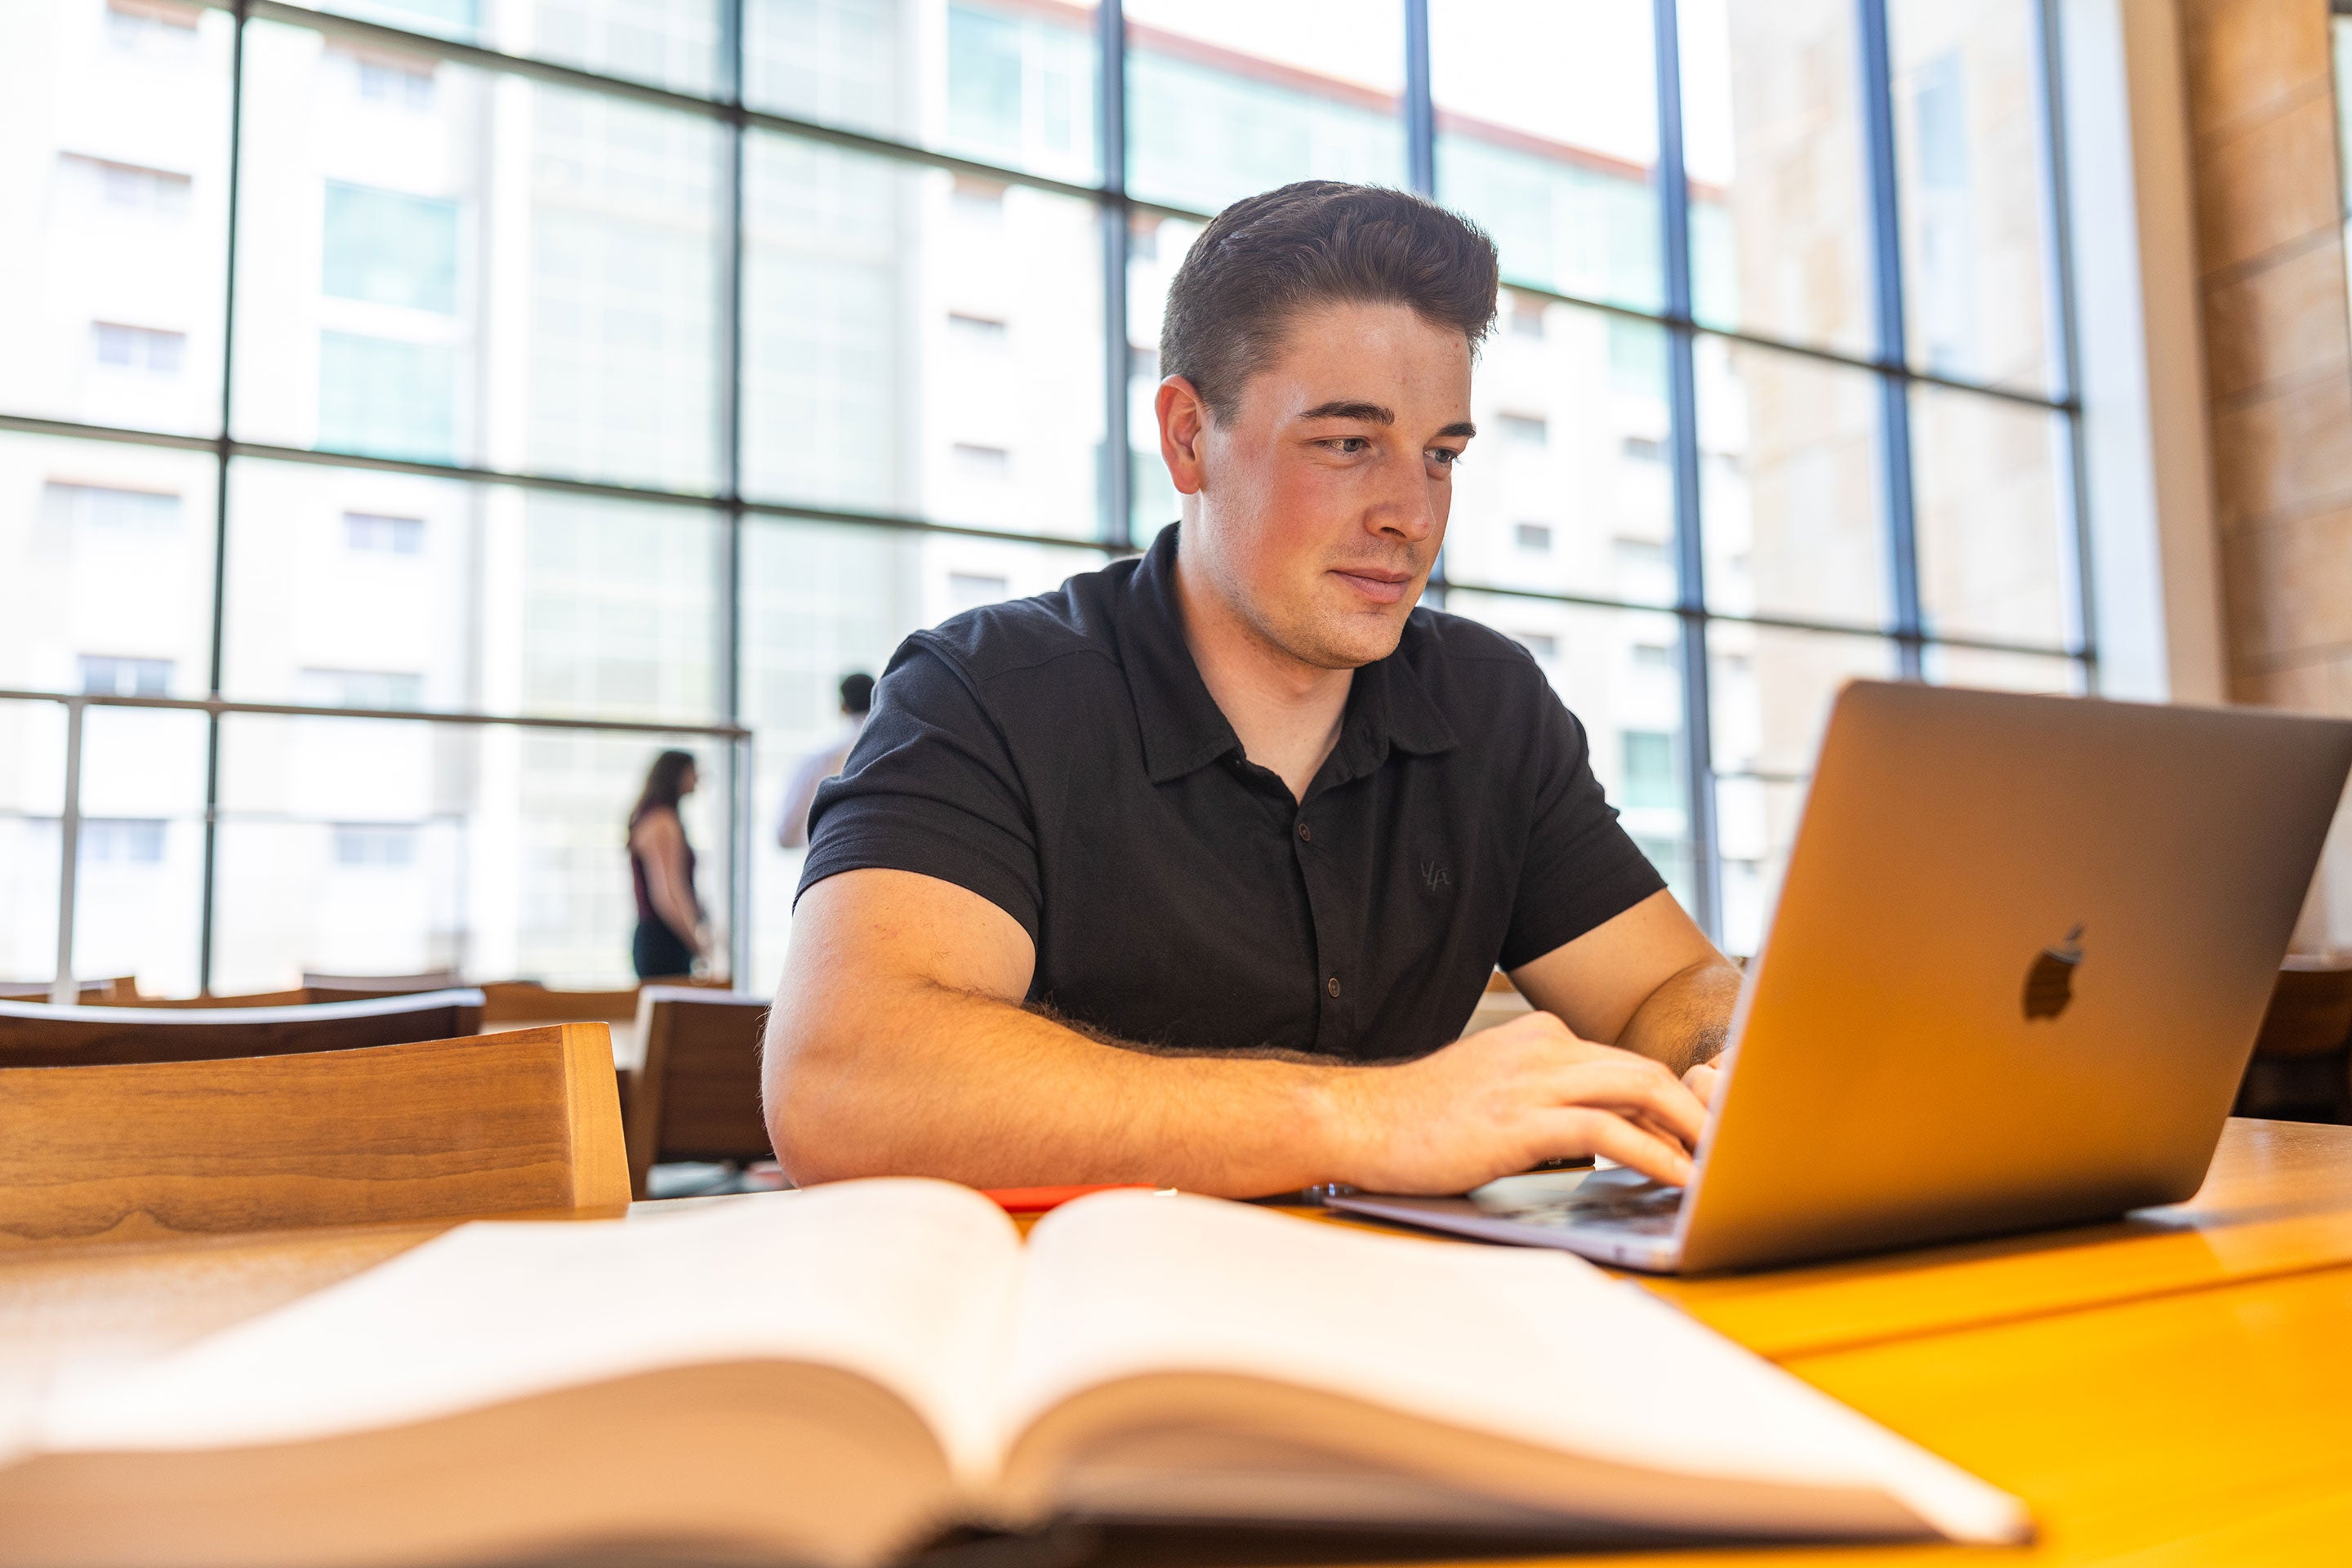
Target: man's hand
1509,1098
1702,1079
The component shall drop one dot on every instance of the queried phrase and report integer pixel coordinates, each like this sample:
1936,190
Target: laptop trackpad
1613,1195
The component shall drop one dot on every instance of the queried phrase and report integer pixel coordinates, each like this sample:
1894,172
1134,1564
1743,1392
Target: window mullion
1690,556
1887,294
1117,523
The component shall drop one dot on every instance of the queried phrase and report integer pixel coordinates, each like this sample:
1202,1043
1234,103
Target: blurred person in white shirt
857,702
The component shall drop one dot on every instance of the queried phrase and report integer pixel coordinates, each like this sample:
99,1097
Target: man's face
1325,487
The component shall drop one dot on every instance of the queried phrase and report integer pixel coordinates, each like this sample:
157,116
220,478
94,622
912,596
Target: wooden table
2171,1391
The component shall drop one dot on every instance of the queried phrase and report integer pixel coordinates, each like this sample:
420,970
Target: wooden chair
433,1130
529,1002
39,990
36,1035
129,996
697,1095
2302,1066
384,984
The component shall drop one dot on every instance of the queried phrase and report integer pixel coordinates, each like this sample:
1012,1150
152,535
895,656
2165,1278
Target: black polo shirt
1061,757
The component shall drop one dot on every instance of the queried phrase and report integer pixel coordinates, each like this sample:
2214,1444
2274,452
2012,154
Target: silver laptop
2020,954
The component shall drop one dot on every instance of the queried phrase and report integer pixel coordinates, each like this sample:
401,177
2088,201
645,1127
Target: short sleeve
1581,868
930,787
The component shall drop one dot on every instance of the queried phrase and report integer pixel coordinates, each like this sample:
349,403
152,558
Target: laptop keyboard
1618,1199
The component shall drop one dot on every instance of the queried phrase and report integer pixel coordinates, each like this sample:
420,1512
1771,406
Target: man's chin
1350,642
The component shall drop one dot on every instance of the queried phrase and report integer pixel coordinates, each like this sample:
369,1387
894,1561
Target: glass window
1547,127
1771,689
1993,557
377,846
32,792
1791,486
107,549
669,43
508,600
1772,145
824,602
1967,133
1005,82
1227,98
139,884
1620,673
919,344
2000,670
1567,488
587,348
389,248
112,283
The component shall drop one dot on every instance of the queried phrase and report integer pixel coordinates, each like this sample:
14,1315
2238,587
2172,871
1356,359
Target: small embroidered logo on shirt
1435,877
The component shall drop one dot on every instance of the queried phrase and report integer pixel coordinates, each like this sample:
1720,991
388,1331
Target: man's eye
1444,456
1348,446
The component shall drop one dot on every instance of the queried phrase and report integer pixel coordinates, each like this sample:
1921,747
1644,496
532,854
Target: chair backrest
250,999
386,984
84,990
528,1001
439,1128
2311,1007
697,1096
36,1035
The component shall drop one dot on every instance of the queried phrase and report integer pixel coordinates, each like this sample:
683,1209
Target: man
1187,873
857,703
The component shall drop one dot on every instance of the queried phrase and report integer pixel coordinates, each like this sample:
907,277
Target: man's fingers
1637,1087
1584,1130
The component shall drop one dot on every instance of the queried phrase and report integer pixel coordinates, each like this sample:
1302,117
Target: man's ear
1184,428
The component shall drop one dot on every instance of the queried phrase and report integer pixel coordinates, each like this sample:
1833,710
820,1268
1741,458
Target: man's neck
1286,712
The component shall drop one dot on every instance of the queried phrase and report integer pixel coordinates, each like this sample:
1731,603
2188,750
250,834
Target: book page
907,1282
1535,1345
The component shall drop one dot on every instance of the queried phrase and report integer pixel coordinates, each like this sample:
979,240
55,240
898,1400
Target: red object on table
1037,1200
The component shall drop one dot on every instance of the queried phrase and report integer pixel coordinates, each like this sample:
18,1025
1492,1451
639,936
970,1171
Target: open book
835,1376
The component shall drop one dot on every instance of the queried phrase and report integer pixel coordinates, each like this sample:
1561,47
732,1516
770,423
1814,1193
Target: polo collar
1388,704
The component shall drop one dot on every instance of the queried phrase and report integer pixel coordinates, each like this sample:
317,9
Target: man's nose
1405,508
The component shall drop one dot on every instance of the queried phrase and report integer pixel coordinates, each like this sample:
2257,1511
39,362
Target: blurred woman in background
670,931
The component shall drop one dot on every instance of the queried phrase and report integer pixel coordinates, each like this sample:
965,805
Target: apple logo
2049,981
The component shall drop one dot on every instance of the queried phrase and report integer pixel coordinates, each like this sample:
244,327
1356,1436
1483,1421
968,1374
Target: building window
982,465
1523,430
110,506
1535,537
130,187
401,83
1642,449
1652,656
387,398
148,351
985,333
971,589
1527,317
390,249
375,846
106,675
396,690
1543,644
122,841
1649,770
156,28
366,534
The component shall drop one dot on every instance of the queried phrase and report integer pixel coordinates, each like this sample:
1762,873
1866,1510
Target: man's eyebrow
1370,413
1462,427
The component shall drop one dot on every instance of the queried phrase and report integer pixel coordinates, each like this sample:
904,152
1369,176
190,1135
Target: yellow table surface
2173,1390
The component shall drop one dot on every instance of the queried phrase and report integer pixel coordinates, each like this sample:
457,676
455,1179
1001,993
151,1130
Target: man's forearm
1687,1019
926,1079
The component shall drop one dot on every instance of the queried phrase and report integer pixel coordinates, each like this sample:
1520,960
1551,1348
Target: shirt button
1306,833
1331,986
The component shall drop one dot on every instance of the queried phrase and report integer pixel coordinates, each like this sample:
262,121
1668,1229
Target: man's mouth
1380,585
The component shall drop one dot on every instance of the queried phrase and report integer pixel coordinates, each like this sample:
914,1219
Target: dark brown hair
1266,258
664,783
